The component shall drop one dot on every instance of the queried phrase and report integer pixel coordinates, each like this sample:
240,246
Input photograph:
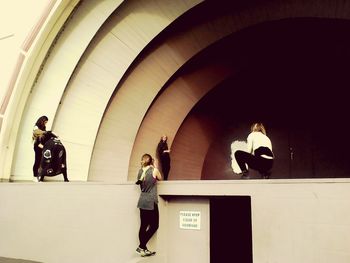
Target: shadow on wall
292,76
16,260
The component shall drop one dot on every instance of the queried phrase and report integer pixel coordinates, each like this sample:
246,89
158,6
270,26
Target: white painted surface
46,97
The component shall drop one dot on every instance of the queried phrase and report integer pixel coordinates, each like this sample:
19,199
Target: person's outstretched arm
156,174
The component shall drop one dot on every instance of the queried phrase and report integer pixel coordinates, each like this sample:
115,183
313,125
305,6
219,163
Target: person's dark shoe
265,175
244,175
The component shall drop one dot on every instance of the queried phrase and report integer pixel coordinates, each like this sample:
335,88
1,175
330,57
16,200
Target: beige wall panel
105,63
180,240
157,13
170,109
80,135
303,221
59,222
292,220
47,93
75,132
106,54
190,147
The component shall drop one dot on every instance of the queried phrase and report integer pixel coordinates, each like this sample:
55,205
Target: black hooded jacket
53,160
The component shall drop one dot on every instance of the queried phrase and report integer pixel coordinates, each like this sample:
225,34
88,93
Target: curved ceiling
114,100
294,80
190,152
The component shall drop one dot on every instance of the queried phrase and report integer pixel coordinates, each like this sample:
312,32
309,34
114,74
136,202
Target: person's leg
38,153
165,166
65,176
144,218
165,170
64,166
265,166
242,159
153,224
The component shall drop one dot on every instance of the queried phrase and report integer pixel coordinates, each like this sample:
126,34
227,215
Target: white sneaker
36,179
144,252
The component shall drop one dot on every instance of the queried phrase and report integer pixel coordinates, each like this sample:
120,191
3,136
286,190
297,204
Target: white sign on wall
190,220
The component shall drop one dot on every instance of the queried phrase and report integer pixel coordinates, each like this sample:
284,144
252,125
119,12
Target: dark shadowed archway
292,75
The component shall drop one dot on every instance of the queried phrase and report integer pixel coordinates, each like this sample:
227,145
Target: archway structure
112,79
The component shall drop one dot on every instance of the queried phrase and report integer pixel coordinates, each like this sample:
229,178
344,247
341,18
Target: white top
256,140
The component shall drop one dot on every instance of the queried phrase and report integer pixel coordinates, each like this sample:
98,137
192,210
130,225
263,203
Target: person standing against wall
164,156
38,131
147,178
259,156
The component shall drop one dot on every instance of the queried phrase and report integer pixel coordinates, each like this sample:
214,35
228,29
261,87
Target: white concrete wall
304,221
67,222
187,245
293,221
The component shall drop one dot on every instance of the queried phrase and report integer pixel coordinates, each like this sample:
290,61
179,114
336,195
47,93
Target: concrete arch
54,97
34,53
205,33
80,79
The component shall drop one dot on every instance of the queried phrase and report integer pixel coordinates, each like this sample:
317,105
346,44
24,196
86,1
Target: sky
17,18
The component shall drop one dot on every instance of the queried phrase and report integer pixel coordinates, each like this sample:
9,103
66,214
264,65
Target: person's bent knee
238,154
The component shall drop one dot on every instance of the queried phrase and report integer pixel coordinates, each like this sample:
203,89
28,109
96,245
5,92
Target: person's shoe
244,175
147,253
265,175
144,252
139,250
36,179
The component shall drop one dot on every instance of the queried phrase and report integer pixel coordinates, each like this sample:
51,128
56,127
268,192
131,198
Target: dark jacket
53,160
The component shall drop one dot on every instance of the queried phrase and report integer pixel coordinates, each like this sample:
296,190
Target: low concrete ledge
247,187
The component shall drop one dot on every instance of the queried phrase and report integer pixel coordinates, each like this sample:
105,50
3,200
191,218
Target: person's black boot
245,175
265,175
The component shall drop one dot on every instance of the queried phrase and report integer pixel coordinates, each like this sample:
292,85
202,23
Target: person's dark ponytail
41,123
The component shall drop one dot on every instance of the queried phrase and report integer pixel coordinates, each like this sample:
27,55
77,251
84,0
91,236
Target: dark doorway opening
230,229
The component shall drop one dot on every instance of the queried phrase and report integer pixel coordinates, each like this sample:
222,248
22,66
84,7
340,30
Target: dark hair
41,123
47,136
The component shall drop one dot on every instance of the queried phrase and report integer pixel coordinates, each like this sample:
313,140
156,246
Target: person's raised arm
156,174
250,143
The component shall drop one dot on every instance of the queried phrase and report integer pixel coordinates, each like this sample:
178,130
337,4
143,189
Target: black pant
255,162
64,172
38,153
165,163
149,225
